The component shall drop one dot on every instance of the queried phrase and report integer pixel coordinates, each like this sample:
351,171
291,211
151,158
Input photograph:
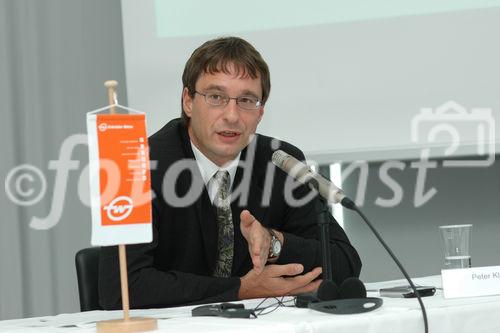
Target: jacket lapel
203,208
208,225
248,191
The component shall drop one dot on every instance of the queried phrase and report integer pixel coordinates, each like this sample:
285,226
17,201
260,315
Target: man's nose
232,111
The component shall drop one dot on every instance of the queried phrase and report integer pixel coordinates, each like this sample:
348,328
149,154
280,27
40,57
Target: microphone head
328,290
279,158
352,288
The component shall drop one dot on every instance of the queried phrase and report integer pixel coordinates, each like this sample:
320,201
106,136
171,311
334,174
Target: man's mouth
228,134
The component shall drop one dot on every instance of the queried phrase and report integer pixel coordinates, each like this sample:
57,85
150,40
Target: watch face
276,247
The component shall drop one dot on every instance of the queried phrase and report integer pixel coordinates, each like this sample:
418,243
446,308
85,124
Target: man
239,234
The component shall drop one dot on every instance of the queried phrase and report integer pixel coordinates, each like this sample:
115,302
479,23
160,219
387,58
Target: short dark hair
217,55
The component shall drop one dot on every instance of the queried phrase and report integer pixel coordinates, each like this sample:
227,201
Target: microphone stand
321,208
323,225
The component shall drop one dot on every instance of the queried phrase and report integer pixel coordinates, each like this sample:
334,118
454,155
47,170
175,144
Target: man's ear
187,102
261,113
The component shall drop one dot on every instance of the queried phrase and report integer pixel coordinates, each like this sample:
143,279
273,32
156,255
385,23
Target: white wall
343,90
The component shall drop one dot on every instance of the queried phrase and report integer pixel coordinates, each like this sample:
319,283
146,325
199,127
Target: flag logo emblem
119,208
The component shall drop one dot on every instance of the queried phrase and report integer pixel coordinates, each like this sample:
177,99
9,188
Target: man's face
221,132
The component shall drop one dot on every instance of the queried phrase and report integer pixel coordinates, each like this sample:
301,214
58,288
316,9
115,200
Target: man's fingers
304,279
279,280
256,236
304,283
246,218
259,261
314,273
258,266
285,270
256,249
308,288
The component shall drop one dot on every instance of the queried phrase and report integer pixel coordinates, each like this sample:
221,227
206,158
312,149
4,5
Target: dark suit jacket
177,267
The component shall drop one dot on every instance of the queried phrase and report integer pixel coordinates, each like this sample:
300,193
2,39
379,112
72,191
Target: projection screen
350,79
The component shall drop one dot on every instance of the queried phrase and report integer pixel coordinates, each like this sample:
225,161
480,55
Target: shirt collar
209,168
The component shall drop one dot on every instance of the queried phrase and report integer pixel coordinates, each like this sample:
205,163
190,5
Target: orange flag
120,184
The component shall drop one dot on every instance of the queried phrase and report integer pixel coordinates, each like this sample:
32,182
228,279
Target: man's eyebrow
220,88
215,87
249,93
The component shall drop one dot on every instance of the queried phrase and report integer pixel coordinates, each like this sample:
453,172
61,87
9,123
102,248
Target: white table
477,315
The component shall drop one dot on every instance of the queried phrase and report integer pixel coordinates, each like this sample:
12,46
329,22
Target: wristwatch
275,248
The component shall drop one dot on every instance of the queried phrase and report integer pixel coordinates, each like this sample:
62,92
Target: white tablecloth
477,315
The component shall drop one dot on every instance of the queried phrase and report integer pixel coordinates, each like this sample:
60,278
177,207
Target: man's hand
258,239
278,280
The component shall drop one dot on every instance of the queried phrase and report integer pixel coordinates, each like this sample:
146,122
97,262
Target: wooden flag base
134,324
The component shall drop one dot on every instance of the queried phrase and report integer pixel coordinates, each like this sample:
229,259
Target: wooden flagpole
111,86
127,324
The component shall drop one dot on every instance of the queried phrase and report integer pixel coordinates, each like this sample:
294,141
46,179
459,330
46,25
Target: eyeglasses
249,103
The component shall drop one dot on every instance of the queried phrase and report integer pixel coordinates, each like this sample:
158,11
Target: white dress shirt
209,168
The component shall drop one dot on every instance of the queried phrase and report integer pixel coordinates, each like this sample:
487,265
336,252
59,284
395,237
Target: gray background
464,195
54,57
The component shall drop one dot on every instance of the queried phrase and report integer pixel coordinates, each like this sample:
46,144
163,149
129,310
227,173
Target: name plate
471,282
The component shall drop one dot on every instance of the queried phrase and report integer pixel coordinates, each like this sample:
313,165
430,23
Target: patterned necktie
225,225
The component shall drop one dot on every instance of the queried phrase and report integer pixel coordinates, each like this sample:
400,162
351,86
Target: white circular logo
103,127
119,208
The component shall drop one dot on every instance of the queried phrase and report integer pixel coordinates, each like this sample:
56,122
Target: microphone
352,288
303,174
327,291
